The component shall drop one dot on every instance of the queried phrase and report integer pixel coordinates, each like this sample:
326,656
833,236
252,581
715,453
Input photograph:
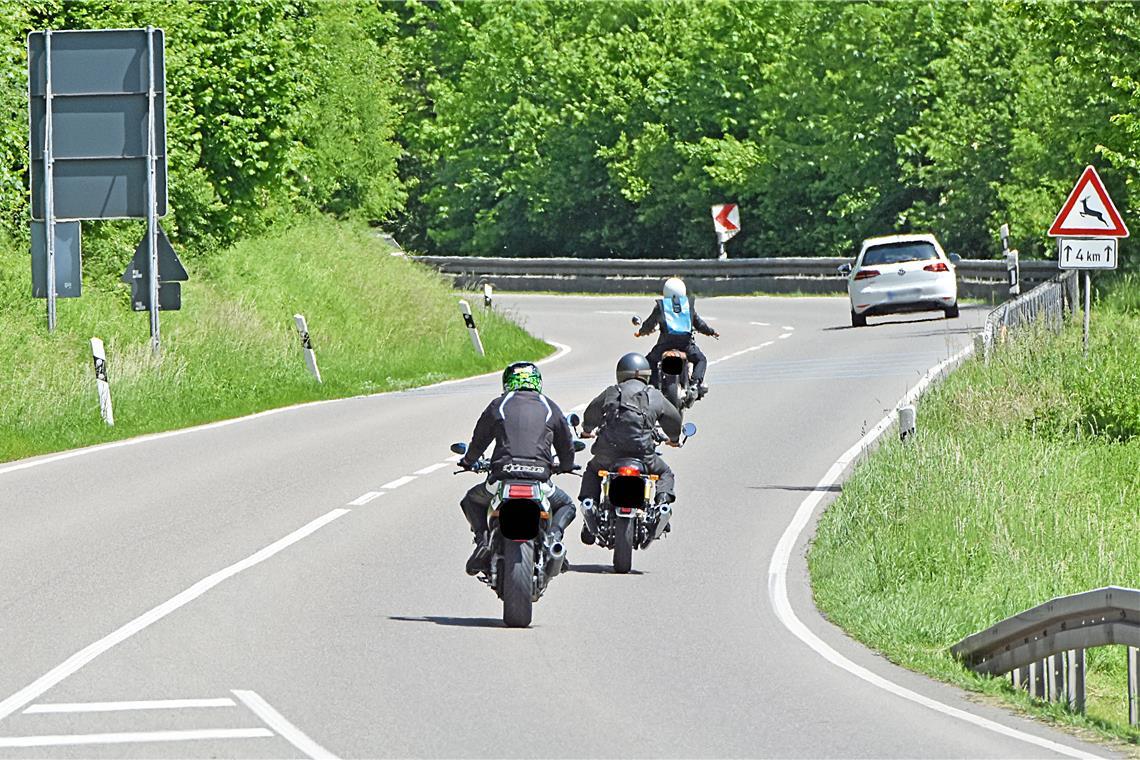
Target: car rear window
896,253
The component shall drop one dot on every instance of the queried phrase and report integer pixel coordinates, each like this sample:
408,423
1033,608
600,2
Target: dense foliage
585,128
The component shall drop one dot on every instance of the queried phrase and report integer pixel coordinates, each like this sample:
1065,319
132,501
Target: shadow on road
599,569
939,318
831,489
452,621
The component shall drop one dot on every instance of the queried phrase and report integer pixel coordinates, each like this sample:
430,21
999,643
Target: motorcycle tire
623,545
518,583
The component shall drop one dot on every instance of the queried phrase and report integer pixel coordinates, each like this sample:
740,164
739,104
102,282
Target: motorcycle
628,517
673,377
524,557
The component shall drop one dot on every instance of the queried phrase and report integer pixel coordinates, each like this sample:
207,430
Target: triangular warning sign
1088,211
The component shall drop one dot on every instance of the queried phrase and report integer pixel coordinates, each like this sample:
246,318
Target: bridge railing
1043,648
977,278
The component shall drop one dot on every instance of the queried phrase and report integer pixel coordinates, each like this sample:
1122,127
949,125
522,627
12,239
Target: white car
901,273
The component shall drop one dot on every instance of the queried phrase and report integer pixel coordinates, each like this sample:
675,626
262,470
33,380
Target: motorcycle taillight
628,471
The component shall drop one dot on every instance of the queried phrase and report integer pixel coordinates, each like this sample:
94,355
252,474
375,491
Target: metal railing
977,278
1045,306
1043,649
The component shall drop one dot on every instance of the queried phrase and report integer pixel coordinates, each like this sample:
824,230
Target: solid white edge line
431,468
562,351
363,499
146,704
781,558
76,661
392,485
64,740
283,727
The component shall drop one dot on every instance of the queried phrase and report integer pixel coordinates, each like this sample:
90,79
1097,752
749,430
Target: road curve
292,584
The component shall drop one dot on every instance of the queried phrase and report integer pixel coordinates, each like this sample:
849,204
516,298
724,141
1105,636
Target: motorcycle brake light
939,267
629,471
866,274
520,492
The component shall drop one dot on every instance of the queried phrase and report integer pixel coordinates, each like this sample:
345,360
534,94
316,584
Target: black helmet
633,365
522,376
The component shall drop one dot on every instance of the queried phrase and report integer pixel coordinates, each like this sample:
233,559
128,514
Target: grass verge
377,323
1023,485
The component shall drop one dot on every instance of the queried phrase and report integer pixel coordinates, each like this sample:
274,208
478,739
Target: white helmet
674,286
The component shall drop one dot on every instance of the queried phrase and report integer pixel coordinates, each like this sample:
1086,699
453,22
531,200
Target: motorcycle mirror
574,420
459,448
579,445
689,429
636,321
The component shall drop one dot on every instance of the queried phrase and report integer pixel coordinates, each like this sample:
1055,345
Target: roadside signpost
1088,228
726,220
97,145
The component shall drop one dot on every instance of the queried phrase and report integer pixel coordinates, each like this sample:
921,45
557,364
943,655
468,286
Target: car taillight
939,267
629,471
866,274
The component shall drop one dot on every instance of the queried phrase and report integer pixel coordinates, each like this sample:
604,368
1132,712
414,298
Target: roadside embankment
377,323
1023,484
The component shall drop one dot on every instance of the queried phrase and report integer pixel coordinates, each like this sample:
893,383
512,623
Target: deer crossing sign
1088,227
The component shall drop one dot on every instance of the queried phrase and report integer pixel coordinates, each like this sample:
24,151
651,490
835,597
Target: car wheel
952,311
858,320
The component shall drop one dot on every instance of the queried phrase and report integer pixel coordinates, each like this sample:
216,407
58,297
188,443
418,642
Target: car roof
924,237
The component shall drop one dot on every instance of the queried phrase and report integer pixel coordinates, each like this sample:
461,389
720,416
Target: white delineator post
465,310
101,383
307,346
908,423
488,292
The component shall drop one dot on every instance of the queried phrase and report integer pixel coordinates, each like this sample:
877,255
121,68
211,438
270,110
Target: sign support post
49,189
726,222
151,195
1088,308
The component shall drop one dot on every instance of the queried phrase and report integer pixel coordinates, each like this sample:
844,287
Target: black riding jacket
655,320
524,425
611,443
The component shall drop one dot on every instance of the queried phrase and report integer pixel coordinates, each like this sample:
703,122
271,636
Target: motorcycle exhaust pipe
664,512
557,553
590,515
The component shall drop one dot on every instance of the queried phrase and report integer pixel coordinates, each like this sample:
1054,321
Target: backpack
627,420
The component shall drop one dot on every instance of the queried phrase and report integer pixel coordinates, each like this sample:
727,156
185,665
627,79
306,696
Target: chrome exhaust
557,556
664,512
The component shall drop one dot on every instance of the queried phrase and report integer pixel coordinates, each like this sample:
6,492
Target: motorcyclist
628,414
676,316
524,424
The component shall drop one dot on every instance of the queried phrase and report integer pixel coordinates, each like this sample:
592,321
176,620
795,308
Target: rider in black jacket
628,414
676,315
524,424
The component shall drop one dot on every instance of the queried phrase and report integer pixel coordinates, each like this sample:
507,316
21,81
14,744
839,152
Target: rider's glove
465,465
564,467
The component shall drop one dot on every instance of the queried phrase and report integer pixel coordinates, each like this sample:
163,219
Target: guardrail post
1020,678
1133,686
1075,680
1037,679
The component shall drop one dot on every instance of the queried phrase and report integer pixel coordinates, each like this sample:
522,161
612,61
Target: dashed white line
76,661
363,499
278,723
394,484
761,324
788,327
148,704
785,335
432,468
64,740
741,352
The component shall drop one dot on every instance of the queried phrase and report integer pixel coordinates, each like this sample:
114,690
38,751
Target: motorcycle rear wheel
518,583
623,545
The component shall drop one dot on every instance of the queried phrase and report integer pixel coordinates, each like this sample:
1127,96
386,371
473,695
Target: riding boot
562,519
479,559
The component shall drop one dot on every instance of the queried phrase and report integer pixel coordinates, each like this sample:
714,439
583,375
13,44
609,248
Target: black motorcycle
524,558
673,377
628,517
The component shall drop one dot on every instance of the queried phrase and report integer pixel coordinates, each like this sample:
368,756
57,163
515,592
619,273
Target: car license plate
907,294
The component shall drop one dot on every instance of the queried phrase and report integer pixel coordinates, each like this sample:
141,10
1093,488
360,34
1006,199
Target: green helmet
522,376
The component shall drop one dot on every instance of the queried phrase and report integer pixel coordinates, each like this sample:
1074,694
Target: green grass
377,323
1023,485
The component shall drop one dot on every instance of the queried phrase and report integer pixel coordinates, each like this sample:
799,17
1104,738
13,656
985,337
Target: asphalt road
292,584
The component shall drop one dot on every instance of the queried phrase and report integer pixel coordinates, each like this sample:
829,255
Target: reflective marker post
307,346
465,310
101,384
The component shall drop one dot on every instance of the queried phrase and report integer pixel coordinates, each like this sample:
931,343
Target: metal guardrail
1043,306
977,278
1044,648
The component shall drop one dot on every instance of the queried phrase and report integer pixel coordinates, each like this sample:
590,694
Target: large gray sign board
99,84
68,267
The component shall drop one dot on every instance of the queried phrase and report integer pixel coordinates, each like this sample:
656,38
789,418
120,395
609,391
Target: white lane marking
76,661
432,468
785,335
147,704
765,344
788,327
363,499
778,580
394,484
563,350
278,723
631,312
761,324
64,740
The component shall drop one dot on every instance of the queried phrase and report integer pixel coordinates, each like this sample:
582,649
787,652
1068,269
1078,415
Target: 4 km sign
1088,226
